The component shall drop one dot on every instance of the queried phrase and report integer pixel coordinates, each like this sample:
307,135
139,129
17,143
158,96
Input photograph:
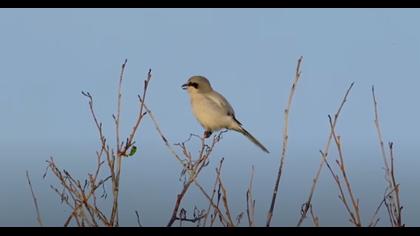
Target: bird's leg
207,133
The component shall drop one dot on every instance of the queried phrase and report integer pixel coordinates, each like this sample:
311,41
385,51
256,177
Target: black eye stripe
195,85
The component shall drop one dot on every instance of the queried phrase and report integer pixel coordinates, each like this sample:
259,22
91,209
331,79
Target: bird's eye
195,85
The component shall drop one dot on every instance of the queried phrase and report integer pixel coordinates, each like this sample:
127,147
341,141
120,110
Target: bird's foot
207,133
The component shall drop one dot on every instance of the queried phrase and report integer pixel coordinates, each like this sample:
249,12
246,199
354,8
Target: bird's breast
210,115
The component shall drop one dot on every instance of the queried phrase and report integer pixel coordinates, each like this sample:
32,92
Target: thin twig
192,220
178,203
315,219
308,202
239,218
80,199
373,222
119,98
250,202
355,203
115,184
212,204
210,199
104,146
80,196
215,216
341,195
165,140
398,206
381,142
38,214
225,199
285,141
394,211
193,172
138,219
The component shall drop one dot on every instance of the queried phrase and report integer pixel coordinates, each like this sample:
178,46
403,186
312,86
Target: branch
395,210
355,215
285,139
315,218
116,183
224,198
211,204
308,202
250,202
81,198
38,215
373,222
138,219
165,140
398,207
210,199
193,169
380,139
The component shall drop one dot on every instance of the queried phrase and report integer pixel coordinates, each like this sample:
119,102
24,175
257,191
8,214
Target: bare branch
224,198
115,184
285,141
324,155
119,98
194,169
373,222
165,140
355,215
38,214
211,204
379,133
315,218
138,219
80,195
250,202
394,207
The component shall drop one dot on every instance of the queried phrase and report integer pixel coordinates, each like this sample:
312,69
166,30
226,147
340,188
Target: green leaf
132,151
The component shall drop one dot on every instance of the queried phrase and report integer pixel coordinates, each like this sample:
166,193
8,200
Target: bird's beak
184,86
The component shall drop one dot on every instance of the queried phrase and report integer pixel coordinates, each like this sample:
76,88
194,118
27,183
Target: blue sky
48,56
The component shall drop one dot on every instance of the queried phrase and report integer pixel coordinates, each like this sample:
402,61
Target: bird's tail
252,138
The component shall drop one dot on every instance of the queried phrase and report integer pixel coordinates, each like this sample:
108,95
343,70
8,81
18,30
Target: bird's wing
223,104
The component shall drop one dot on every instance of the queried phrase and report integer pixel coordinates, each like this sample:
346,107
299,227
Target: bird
212,110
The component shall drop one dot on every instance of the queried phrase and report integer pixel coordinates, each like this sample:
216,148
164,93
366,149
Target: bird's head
197,84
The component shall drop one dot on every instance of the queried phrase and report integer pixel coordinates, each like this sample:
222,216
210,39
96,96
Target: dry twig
38,214
324,155
80,196
250,202
393,205
285,140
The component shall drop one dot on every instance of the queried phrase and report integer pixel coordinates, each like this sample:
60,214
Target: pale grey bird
212,110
